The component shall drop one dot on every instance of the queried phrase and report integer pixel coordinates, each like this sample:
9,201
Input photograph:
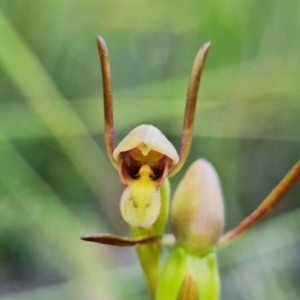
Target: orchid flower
145,159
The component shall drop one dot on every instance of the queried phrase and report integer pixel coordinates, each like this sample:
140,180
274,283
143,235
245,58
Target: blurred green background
55,180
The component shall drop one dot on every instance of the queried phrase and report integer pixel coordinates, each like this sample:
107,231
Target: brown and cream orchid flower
145,159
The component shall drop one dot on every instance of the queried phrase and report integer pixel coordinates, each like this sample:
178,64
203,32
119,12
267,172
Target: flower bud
187,276
197,209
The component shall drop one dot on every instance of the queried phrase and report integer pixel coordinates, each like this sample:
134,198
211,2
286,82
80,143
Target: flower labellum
144,158
140,201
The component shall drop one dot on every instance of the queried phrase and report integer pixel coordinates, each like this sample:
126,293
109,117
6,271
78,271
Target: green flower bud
187,276
197,209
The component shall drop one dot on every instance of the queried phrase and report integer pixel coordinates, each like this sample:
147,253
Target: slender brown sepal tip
206,46
107,99
100,39
265,207
114,240
190,106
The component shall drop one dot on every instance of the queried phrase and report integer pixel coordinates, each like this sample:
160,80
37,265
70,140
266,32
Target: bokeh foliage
55,180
